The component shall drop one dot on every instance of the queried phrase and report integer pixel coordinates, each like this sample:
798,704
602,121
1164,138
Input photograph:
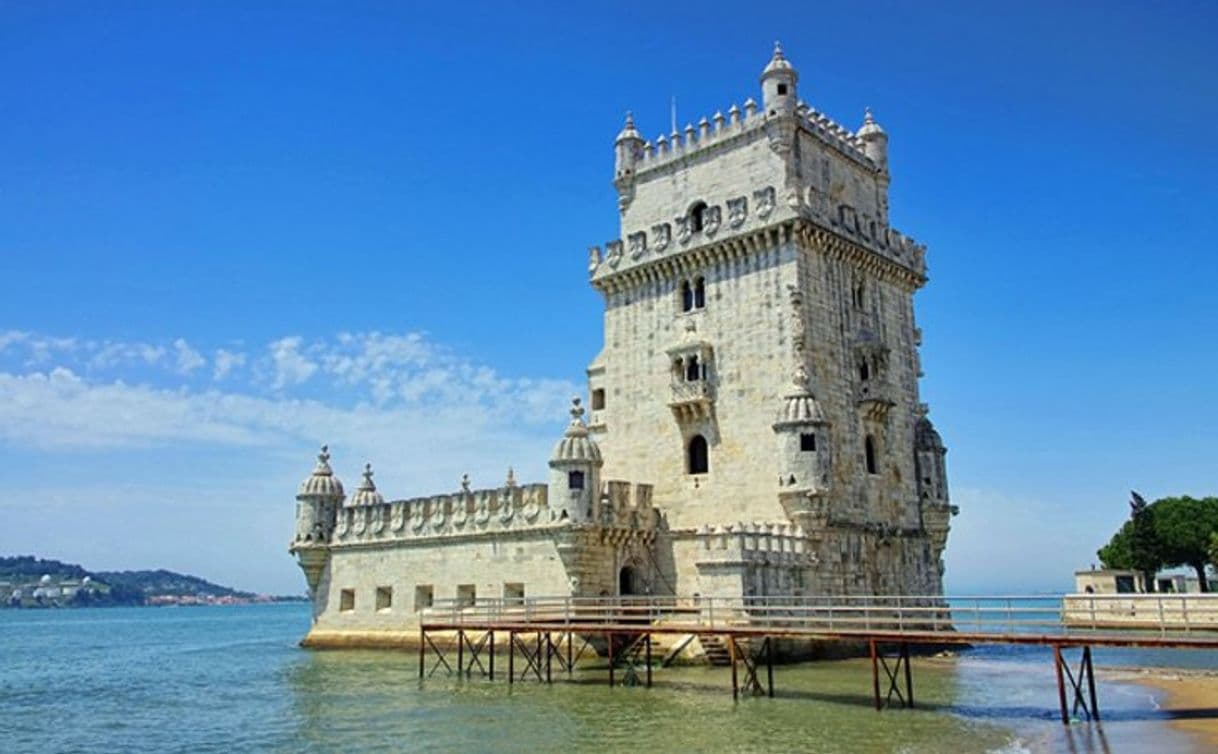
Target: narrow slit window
869,452
700,293
687,296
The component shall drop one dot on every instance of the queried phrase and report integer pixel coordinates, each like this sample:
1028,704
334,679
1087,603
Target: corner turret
803,441
627,151
875,140
778,85
575,470
317,502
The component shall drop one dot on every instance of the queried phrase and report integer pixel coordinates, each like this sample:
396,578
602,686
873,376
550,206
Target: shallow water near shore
233,679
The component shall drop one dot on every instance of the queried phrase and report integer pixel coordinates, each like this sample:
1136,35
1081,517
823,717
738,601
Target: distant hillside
26,581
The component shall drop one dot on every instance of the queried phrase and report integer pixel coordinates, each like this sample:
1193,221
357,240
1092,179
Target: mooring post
875,674
460,652
549,654
731,650
610,642
511,657
1061,683
908,675
570,643
647,638
1095,706
422,650
492,662
769,665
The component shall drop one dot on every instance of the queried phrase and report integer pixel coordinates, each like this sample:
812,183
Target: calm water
233,680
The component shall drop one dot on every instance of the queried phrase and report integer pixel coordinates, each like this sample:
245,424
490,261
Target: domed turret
627,151
930,461
778,82
318,499
322,482
366,494
803,440
575,466
875,140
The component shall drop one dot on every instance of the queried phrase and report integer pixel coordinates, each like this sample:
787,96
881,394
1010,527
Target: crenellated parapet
465,513
762,543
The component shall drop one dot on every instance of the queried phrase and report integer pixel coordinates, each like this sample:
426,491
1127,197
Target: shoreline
1188,698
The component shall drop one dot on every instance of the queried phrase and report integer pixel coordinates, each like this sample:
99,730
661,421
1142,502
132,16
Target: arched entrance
627,581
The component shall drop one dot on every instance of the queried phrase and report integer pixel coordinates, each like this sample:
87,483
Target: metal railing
1014,615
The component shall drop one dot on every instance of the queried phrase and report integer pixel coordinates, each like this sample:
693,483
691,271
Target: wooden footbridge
544,634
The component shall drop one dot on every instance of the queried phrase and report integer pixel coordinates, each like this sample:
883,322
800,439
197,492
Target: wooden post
1061,683
460,652
549,654
422,651
769,665
647,638
610,636
731,650
570,644
1095,706
875,675
511,657
492,659
908,675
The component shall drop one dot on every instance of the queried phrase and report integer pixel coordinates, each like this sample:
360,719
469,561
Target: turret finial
324,455
777,50
511,478
577,410
867,116
368,485
465,482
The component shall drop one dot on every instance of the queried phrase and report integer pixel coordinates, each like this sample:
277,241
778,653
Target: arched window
864,370
575,480
697,217
699,458
699,293
869,451
693,372
687,296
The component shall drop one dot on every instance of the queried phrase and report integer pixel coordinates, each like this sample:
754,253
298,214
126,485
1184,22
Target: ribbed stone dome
870,127
801,408
628,132
778,62
367,493
925,436
576,446
322,482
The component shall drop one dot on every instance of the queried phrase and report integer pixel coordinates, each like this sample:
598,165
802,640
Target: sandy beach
1190,697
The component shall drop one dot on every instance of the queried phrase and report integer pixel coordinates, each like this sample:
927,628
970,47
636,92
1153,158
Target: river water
232,679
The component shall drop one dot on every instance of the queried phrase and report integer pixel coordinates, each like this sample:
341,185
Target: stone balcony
691,399
874,399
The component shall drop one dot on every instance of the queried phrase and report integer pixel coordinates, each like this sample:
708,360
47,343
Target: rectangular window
575,480
513,594
1124,585
807,441
346,600
424,596
598,399
384,598
466,595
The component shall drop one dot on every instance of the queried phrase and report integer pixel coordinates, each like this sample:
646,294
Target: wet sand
1189,697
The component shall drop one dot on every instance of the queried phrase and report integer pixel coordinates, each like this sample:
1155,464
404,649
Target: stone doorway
628,581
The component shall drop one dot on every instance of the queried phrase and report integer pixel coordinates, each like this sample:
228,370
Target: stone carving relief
684,231
737,211
613,253
765,201
713,218
663,236
638,244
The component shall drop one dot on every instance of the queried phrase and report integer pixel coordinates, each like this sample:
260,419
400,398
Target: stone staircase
715,650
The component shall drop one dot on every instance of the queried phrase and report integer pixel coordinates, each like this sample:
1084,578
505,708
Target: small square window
384,598
467,595
575,480
424,596
513,593
782,89
346,600
807,441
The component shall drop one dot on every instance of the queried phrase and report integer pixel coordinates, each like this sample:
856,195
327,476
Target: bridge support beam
1085,675
894,673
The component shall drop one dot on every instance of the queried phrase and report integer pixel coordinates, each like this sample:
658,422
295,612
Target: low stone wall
1146,611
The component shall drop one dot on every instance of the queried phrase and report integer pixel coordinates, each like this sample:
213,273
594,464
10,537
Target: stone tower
760,362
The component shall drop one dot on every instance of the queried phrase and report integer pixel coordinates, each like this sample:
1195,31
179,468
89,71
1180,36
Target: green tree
1185,528
1214,550
1135,546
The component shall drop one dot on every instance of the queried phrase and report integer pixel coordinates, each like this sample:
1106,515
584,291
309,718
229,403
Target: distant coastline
27,582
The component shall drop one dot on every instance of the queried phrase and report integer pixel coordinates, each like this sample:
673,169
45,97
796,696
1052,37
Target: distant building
755,427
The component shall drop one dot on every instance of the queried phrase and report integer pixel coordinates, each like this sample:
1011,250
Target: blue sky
229,231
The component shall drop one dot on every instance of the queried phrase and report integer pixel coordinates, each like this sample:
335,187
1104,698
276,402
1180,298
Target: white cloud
110,355
291,367
225,361
188,359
